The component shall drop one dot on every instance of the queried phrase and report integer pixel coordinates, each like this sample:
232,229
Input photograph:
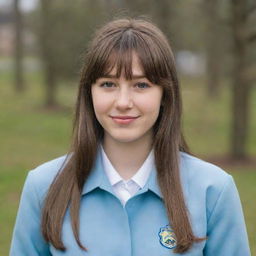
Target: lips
124,119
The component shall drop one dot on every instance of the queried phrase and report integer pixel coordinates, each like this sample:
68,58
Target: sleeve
27,238
226,226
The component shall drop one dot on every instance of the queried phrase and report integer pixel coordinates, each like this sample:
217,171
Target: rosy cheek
150,104
101,103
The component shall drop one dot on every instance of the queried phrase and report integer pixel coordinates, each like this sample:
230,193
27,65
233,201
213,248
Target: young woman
129,186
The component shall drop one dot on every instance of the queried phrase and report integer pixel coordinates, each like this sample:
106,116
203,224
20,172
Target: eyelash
143,83
103,84
137,84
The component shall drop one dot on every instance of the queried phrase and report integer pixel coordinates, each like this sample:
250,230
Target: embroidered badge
167,237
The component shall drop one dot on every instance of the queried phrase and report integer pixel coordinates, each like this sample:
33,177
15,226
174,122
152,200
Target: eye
142,85
107,84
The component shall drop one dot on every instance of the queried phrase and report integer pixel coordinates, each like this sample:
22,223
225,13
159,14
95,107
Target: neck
127,157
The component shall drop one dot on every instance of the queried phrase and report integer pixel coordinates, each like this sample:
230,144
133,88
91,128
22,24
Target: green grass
245,181
31,135
207,122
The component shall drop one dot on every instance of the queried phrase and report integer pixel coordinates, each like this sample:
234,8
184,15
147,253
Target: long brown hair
112,46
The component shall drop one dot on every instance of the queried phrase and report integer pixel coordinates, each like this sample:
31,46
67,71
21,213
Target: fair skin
127,111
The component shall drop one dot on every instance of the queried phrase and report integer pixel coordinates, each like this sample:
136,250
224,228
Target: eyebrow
133,76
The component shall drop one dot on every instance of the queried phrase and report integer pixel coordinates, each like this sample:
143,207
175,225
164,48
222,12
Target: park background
41,51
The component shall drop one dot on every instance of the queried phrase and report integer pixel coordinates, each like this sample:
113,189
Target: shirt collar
98,179
140,177
111,173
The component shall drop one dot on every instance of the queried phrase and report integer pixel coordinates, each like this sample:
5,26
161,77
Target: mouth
124,119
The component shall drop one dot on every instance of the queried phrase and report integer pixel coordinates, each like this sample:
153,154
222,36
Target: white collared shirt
125,189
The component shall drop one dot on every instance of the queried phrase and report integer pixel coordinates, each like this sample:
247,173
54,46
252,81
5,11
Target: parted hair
113,46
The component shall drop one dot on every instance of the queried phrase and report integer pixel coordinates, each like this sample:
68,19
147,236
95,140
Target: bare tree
241,84
18,44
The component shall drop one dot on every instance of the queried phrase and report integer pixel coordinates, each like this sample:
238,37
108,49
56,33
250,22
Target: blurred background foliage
42,43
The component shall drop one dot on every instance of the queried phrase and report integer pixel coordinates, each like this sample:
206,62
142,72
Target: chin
125,138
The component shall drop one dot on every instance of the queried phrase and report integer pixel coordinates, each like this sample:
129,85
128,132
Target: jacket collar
99,179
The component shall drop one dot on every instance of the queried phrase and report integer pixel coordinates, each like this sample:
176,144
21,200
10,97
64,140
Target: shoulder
205,184
203,180
41,177
214,205
201,171
49,169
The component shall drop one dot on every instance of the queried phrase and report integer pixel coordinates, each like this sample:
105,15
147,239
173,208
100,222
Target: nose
124,99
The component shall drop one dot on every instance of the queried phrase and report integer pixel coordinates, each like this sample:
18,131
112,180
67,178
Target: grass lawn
31,135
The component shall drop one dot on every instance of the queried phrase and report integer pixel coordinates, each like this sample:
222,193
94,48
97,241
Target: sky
26,5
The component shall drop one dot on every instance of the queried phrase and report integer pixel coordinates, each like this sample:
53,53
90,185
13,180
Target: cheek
100,103
150,108
151,104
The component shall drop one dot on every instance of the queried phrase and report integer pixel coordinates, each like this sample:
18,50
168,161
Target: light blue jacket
140,228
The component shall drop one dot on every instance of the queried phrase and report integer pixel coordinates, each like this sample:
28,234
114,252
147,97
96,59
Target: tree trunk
18,52
240,83
51,85
163,12
47,55
212,48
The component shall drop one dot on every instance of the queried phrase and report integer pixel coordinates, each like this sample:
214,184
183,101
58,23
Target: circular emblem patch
167,237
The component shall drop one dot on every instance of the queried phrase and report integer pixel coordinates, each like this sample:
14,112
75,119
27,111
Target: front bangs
119,58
